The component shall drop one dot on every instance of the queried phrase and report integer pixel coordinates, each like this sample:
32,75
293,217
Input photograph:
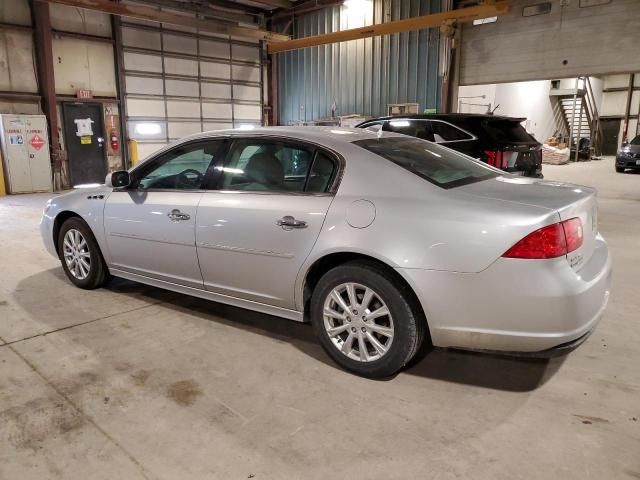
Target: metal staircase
576,117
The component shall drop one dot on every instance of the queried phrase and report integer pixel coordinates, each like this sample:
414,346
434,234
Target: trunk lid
566,199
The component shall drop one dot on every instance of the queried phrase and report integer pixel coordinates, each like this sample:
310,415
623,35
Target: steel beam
46,81
487,9
154,15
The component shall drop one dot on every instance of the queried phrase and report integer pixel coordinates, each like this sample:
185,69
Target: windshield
507,131
635,141
439,165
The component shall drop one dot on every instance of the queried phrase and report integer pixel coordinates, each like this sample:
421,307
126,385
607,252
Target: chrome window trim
338,159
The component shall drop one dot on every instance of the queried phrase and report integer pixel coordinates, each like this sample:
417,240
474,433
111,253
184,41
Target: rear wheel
80,255
365,320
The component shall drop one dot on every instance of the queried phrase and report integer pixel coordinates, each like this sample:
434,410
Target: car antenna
494,109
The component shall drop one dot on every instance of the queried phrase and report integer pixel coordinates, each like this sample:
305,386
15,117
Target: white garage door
178,83
541,40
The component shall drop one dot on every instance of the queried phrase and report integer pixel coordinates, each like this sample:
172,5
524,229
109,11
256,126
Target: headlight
624,154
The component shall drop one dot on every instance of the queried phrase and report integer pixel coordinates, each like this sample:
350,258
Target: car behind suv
629,156
499,141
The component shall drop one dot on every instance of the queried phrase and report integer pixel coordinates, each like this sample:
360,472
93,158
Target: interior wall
525,99
360,76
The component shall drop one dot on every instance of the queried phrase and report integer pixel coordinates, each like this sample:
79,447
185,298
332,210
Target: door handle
176,215
288,222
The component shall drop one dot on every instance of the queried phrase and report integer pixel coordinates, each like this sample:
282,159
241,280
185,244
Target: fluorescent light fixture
148,128
87,185
356,12
246,126
399,123
229,170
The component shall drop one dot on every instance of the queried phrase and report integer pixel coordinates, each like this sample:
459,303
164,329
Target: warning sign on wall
36,142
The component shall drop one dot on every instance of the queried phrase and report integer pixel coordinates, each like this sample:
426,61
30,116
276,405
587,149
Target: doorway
610,133
84,141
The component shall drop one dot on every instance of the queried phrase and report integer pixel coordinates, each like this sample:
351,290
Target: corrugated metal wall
361,76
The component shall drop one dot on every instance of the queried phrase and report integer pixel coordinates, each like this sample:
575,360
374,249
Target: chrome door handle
288,222
176,215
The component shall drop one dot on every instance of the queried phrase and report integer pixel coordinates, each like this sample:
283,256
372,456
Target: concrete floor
134,382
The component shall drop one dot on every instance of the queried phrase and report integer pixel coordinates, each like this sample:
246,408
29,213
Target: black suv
499,141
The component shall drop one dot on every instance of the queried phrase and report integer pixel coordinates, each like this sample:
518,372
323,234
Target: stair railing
596,126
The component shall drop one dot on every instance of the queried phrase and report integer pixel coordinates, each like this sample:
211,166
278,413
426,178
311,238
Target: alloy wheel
76,254
358,322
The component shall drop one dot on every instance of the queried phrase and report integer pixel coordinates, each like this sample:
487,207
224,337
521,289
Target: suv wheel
80,255
365,321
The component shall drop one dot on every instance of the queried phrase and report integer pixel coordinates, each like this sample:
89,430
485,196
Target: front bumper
627,162
515,305
46,231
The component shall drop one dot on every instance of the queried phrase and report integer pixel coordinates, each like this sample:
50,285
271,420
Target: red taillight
496,158
573,233
550,241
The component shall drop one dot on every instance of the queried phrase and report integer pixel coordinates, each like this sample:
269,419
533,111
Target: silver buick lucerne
385,243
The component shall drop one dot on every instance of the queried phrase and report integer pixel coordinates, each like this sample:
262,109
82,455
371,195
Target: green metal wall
360,76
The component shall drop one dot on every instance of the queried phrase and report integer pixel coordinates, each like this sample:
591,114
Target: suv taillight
550,241
496,158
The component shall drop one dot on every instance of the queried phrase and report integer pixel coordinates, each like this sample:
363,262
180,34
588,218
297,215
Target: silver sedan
387,244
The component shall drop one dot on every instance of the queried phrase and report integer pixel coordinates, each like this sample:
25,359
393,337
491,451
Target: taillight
550,241
496,158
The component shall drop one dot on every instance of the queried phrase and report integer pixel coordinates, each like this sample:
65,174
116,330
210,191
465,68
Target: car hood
630,149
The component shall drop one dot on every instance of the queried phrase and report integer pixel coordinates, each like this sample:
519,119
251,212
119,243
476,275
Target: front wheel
366,320
80,255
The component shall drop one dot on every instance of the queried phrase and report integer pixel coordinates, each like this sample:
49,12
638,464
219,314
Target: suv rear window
507,131
441,166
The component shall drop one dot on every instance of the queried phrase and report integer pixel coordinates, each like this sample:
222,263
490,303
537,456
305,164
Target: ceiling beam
275,3
490,8
150,13
206,9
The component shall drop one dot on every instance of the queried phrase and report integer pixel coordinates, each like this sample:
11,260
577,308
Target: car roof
451,116
327,136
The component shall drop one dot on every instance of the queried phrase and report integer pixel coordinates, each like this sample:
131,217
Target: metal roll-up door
180,82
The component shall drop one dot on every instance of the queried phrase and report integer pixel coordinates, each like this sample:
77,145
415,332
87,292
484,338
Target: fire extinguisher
115,140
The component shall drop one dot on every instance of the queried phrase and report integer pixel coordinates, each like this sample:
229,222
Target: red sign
36,142
82,93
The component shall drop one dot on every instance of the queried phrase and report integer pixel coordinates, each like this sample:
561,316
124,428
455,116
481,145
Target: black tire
620,169
98,272
410,326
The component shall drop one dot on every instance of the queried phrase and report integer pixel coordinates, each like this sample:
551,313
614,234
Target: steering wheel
186,177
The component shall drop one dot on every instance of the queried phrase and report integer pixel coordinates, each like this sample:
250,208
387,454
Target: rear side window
507,131
445,132
441,166
413,128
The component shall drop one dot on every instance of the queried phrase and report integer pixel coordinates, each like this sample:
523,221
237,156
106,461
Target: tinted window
413,128
444,132
265,165
635,141
441,166
507,131
182,168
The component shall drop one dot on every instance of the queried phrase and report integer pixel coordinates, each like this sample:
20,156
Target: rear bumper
516,306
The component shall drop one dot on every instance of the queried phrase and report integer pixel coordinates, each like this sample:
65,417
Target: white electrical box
25,153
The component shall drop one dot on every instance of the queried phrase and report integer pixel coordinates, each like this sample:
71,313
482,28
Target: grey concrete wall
591,40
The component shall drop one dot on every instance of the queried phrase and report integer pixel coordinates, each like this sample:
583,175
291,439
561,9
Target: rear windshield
507,131
439,165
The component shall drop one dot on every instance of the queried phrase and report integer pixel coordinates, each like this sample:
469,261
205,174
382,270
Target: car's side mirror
118,179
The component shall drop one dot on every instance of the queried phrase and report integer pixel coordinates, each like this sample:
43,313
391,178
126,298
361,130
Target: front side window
182,168
270,165
441,166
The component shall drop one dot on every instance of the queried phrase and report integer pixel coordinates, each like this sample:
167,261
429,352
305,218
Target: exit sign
82,93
